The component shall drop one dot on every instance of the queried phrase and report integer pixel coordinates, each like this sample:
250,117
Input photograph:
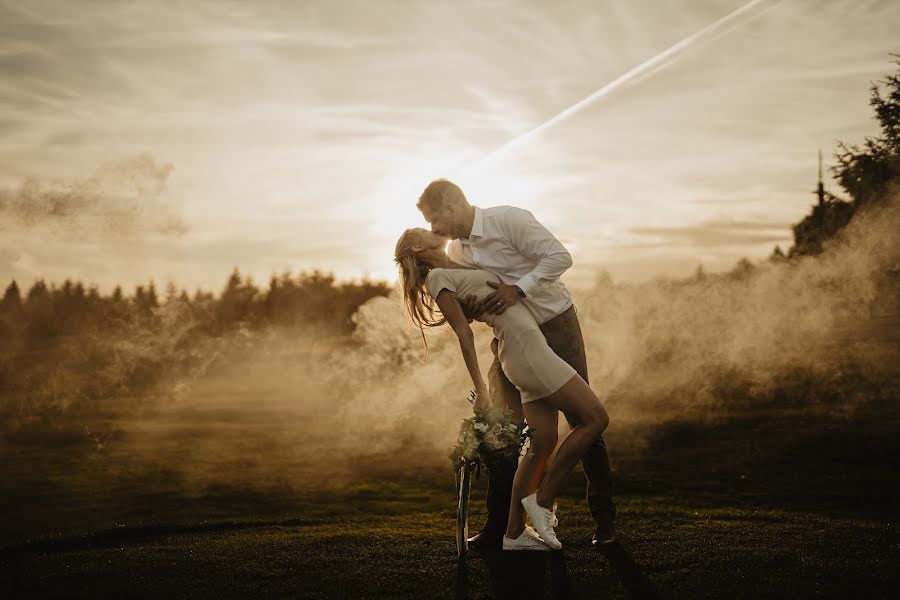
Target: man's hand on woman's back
502,298
472,306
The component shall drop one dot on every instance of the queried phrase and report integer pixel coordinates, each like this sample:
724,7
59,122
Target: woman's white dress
527,360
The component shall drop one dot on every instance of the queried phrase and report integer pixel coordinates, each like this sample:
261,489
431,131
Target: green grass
674,550
762,503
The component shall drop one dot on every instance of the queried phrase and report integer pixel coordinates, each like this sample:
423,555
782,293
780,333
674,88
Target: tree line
869,174
43,313
70,347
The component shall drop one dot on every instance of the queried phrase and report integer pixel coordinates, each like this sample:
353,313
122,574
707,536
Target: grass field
762,502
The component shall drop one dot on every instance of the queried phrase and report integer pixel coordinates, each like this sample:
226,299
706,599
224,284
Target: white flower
492,441
482,427
470,448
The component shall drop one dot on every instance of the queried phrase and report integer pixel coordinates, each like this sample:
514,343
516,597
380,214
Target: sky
173,141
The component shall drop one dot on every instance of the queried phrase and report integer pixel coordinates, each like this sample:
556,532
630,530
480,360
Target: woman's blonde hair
421,307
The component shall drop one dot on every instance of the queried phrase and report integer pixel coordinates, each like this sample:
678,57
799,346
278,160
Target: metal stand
463,490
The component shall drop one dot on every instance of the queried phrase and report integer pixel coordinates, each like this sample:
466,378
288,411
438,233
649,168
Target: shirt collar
477,226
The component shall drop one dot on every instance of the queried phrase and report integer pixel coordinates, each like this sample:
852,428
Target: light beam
641,69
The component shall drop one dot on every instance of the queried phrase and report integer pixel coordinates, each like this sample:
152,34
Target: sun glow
392,204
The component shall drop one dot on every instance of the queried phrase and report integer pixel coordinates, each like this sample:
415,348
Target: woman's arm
452,311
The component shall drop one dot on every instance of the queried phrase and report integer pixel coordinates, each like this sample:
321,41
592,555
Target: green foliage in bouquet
488,438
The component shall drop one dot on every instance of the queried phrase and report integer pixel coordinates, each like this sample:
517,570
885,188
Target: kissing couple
502,268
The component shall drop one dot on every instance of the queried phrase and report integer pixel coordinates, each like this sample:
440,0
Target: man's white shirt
510,242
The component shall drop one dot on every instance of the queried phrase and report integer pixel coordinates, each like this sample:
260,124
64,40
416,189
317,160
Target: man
529,260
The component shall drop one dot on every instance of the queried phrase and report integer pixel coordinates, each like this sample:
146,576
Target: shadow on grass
630,573
133,534
523,575
520,575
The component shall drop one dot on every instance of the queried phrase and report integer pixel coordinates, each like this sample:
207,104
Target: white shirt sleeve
533,240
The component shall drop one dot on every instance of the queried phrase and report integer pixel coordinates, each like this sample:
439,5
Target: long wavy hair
421,307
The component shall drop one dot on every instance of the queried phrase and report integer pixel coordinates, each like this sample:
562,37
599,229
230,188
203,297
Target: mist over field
304,408
675,346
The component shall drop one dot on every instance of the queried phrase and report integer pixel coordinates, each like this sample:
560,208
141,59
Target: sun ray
732,19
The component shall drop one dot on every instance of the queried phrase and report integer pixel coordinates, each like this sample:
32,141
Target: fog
305,410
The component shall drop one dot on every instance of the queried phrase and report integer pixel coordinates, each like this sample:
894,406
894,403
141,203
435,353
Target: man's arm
535,241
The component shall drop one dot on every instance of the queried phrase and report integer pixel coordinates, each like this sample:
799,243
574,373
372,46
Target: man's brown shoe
486,540
602,539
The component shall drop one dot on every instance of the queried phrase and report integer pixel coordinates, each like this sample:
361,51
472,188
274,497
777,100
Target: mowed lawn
762,504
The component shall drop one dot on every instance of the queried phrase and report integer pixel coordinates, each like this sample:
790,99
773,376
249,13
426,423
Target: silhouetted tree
236,302
10,321
12,298
171,292
777,255
144,302
823,223
868,172
700,273
41,324
743,269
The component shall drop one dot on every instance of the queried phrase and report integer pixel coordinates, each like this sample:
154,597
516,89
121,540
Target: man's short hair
440,193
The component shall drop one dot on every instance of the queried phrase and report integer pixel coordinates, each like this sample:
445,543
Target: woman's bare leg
578,402
543,419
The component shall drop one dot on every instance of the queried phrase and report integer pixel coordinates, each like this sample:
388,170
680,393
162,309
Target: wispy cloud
298,121
118,200
720,234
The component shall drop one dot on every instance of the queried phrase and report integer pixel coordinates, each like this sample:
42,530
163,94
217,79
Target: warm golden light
303,130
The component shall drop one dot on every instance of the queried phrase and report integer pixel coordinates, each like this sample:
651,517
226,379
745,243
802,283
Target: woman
430,283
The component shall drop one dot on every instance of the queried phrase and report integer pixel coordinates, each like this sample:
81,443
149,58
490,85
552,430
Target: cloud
8,126
716,234
117,200
329,111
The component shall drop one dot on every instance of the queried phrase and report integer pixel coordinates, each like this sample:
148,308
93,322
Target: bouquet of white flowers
488,438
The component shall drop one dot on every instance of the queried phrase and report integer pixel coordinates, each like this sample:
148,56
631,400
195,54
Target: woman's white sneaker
543,519
525,541
530,532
